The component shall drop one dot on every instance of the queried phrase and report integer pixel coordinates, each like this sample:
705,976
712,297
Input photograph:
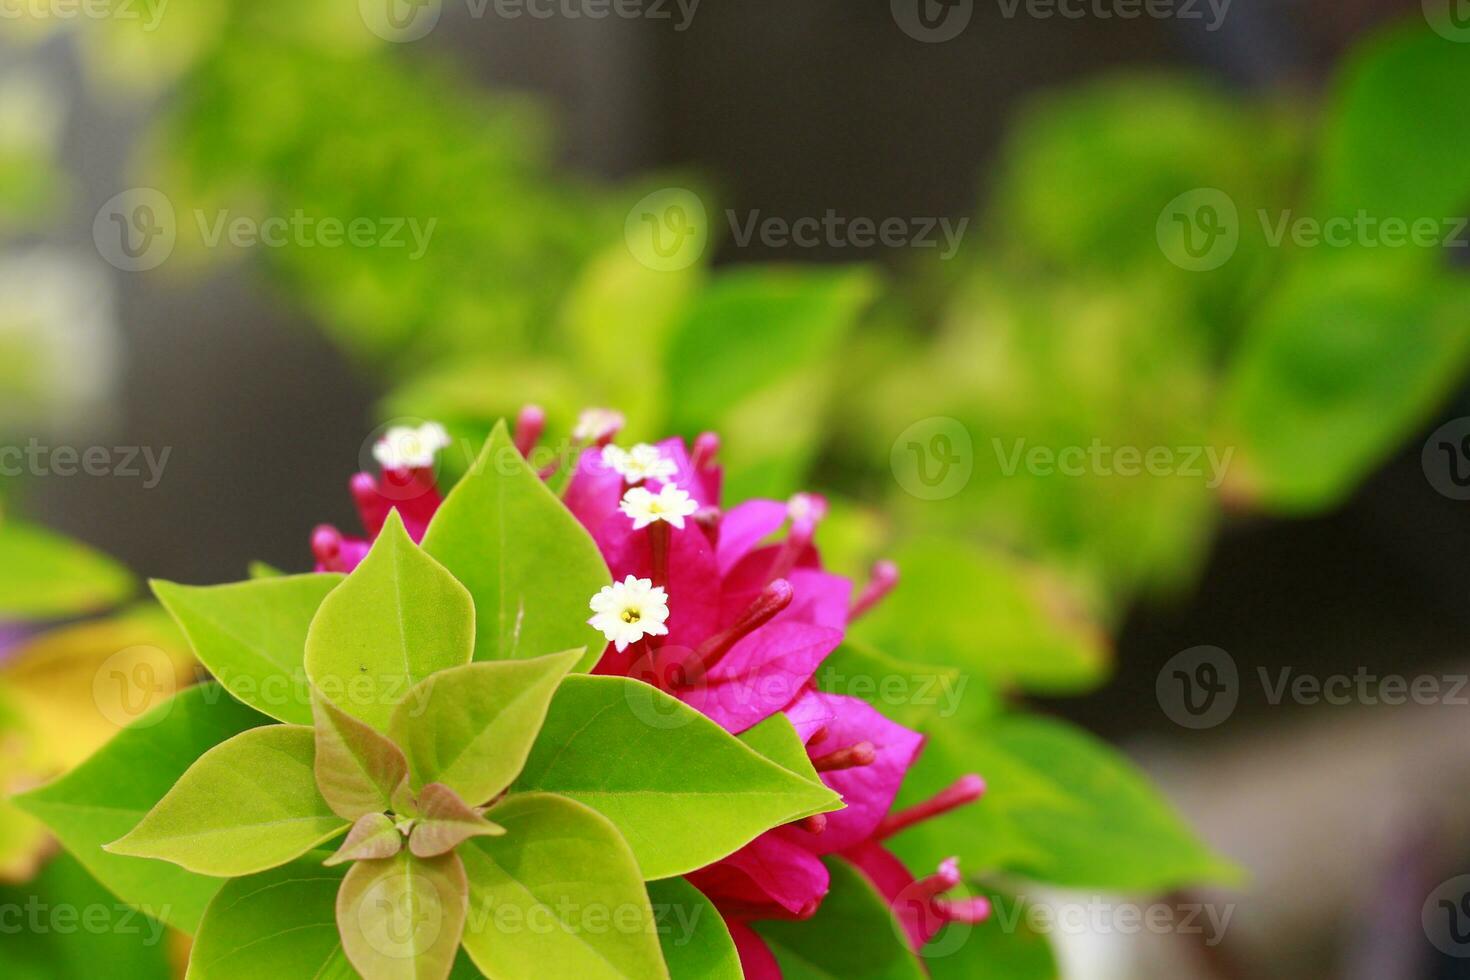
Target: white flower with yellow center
406,447
670,504
597,423
627,611
642,462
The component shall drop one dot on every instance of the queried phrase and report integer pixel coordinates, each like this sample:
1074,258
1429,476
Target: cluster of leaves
1300,366
412,705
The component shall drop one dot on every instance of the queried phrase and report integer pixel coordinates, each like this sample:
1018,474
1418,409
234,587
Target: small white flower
642,462
629,610
597,423
408,447
669,504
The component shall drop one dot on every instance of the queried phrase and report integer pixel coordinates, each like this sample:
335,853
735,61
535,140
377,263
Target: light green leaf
695,941
246,805
471,727
445,821
44,575
373,836
853,936
911,693
401,918
252,636
280,923
1034,635
107,795
398,618
529,565
260,569
357,769
563,865
1061,807
777,739
682,790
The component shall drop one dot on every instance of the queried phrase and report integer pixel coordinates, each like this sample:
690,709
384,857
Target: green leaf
558,896
97,930
853,936
1034,635
246,805
260,569
398,618
912,694
695,941
1061,807
777,739
357,769
401,918
108,794
44,575
1342,363
682,790
445,821
279,923
1003,947
471,727
529,565
1398,133
252,636
373,836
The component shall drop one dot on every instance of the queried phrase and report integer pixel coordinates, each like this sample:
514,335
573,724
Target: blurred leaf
1003,947
618,320
44,575
83,929
1398,132
852,936
77,685
107,795
1344,361
911,693
983,611
1061,807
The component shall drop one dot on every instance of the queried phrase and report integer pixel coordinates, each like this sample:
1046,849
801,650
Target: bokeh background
1335,544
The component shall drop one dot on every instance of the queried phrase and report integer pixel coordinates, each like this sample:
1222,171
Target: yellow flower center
631,616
